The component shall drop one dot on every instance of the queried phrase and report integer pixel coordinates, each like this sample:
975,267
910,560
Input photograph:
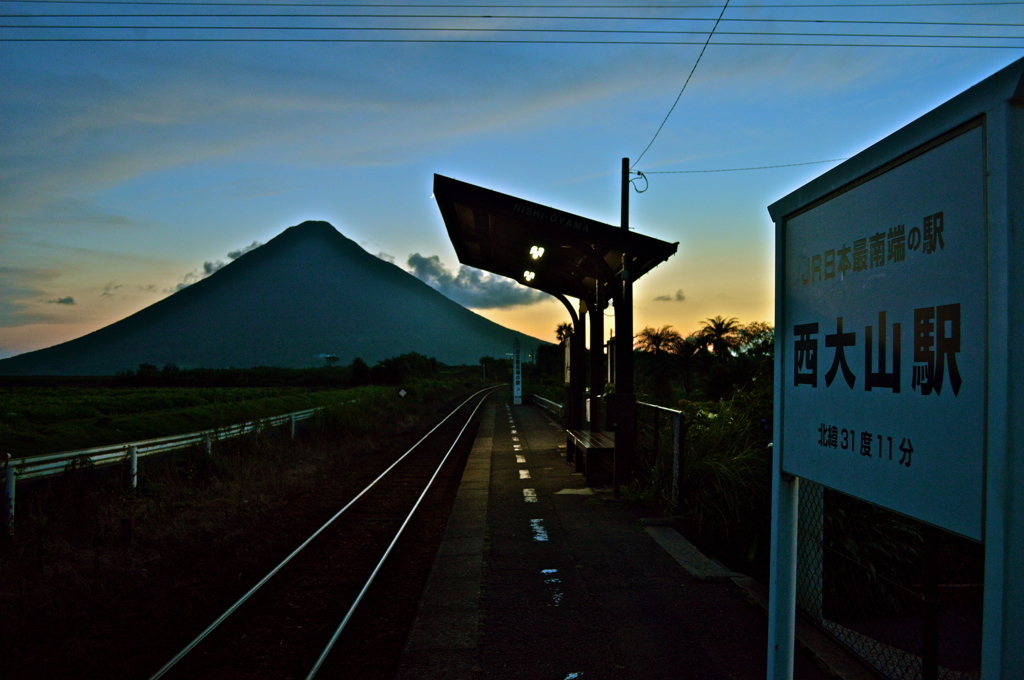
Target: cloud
471,287
210,267
678,297
235,254
387,257
198,274
62,301
108,290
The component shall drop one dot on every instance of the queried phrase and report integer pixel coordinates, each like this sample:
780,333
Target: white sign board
885,308
899,373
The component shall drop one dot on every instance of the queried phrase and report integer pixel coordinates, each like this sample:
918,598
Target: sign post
898,295
517,375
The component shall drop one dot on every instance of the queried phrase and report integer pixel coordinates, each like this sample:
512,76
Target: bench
594,454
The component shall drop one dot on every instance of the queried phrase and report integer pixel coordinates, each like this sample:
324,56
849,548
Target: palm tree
657,340
563,331
687,350
721,335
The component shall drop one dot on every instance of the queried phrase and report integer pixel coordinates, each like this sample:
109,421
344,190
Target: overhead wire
692,70
517,6
383,29
448,29
758,167
454,41
711,34
835,36
491,17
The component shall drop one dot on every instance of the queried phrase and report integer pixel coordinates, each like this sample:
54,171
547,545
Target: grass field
37,420
102,581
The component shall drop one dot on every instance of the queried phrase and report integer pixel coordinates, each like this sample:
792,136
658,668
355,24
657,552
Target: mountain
308,292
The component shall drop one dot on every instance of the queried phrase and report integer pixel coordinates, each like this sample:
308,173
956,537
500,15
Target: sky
137,160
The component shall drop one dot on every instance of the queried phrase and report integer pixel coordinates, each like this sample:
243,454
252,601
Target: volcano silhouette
307,293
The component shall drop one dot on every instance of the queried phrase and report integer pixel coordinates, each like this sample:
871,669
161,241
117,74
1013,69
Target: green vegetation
720,377
44,420
47,416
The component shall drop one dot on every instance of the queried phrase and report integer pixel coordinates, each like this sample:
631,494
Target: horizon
134,168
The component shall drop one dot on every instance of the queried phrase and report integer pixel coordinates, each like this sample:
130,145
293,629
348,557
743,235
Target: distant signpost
517,374
899,291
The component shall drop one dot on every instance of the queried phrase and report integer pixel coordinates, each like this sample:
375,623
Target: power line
440,29
692,70
491,17
760,167
522,6
506,42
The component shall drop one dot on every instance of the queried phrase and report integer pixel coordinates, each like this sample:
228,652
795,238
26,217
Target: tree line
720,357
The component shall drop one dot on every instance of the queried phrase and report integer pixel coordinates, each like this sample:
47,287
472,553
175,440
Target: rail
53,464
366,585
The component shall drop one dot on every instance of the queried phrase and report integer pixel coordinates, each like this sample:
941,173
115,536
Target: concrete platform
540,577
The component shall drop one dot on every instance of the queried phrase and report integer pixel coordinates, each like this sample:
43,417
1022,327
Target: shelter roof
501,234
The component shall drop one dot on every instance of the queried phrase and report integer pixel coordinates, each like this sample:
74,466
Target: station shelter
566,256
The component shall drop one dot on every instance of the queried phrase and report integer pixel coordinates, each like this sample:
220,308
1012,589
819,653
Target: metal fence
903,596
556,410
660,451
50,465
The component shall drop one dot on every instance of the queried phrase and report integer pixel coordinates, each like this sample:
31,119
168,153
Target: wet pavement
540,577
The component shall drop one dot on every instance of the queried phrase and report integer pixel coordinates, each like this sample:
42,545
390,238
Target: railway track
302,619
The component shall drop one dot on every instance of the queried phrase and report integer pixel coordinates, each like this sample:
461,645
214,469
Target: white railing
548,404
53,464
678,446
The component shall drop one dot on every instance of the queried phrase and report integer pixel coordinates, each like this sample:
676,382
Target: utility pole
625,399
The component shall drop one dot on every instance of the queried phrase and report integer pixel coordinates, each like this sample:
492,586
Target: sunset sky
133,165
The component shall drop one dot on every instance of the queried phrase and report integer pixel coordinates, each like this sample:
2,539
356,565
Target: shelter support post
577,380
577,376
597,360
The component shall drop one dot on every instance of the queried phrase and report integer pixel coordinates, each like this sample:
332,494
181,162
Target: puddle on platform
553,584
524,474
530,495
520,459
539,532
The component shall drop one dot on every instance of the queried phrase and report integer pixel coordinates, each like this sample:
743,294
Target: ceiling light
528,275
536,252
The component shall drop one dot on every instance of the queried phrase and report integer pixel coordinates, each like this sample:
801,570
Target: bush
725,497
